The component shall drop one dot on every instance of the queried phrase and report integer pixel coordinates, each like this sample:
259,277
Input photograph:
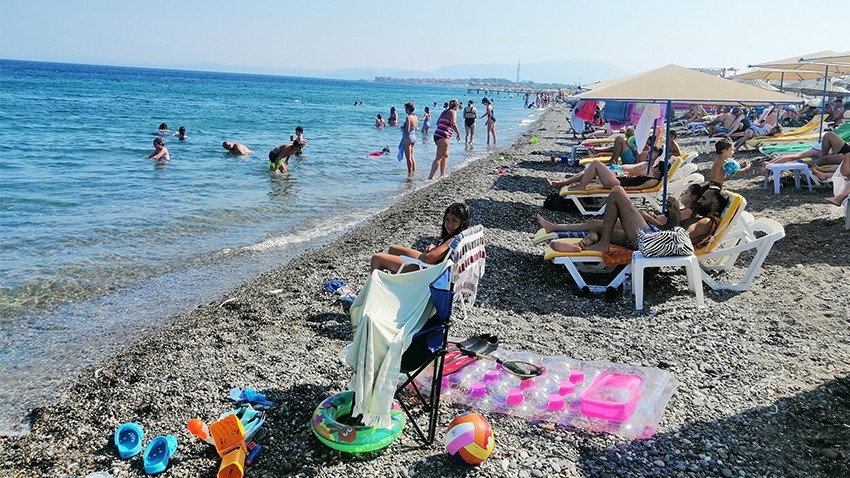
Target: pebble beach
764,374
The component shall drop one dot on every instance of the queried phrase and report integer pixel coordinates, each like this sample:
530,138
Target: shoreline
762,372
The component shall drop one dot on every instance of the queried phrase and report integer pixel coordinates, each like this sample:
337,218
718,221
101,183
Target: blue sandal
158,452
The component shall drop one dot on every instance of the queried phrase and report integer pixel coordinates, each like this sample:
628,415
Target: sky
418,35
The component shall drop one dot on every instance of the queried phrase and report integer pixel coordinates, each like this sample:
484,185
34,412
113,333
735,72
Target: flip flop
128,440
158,452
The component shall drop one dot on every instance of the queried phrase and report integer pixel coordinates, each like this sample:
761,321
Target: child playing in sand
456,219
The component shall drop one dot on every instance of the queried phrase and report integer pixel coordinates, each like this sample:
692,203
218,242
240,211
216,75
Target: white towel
644,126
389,310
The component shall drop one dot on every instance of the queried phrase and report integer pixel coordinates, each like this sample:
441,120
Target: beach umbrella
812,62
766,74
815,87
757,83
676,84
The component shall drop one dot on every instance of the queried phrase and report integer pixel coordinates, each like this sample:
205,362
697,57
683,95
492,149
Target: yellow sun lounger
736,233
807,132
591,201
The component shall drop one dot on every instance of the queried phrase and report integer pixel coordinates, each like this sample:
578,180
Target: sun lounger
591,201
736,233
807,132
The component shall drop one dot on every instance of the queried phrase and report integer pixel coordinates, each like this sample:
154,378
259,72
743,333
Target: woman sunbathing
619,208
598,171
688,201
831,151
456,219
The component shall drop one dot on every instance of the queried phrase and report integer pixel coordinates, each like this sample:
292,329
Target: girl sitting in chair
455,220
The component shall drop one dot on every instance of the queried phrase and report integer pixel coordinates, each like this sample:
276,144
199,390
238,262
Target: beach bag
675,242
554,202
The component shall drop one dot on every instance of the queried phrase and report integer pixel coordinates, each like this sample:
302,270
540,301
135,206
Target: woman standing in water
442,137
469,115
491,120
426,122
392,120
408,138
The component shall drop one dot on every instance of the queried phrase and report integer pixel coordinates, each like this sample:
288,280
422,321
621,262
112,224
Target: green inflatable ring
352,439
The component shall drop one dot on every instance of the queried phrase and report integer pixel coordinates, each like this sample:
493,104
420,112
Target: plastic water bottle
627,285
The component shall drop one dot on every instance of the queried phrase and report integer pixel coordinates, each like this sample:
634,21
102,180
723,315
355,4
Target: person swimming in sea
238,149
181,133
161,152
163,130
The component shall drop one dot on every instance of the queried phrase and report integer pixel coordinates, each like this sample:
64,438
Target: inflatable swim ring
352,439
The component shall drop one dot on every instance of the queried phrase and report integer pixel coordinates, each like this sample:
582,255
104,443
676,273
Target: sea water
100,244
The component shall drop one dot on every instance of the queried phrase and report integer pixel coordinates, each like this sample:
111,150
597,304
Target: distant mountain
561,71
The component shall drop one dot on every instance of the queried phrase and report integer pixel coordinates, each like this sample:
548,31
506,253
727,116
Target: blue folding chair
428,346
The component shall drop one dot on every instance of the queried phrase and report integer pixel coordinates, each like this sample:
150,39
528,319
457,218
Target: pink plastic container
612,396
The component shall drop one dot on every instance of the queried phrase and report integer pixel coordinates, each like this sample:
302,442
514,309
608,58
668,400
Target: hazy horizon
335,35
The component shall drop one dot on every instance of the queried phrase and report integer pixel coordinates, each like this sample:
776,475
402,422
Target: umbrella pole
651,146
823,103
781,81
666,155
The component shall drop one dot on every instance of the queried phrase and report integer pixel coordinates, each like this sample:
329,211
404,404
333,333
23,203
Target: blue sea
100,244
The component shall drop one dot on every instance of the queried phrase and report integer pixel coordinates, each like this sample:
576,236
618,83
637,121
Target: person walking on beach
491,120
237,149
442,137
393,118
408,138
279,157
426,122
161,152
469,115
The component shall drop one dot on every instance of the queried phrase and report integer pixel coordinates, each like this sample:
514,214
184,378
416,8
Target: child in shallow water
456,219
161,152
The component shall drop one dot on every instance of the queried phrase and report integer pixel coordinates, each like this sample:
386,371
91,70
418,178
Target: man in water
238,149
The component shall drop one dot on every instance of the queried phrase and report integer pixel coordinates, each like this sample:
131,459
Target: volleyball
469,439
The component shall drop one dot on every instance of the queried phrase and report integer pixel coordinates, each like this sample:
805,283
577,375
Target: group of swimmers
278,157
446,126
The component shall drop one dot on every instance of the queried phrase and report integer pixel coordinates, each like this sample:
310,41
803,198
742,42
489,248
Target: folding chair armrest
407,260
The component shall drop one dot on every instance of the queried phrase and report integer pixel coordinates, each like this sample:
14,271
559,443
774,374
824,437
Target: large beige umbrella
676,84
815,87
778,75
812,63
842,59
757,83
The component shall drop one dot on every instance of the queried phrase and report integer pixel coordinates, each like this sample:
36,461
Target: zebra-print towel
675,242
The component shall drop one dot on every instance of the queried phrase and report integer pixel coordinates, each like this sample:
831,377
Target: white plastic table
777,169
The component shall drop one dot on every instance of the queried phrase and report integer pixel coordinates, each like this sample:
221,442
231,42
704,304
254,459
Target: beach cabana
676,84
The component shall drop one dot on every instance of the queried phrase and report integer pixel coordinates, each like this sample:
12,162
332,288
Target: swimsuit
426,122
490,116
632,181
408,136
444,127
845,149
469,114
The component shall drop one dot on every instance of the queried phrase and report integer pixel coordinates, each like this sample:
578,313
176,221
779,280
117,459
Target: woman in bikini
620,209
442,137
469,115
598,171
456,219
491,120
392,120
688,201
426,122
